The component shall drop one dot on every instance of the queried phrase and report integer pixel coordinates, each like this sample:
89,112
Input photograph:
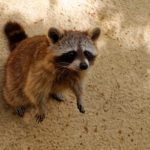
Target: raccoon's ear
54,34
95,33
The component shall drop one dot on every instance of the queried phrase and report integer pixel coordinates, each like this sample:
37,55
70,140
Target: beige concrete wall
117,95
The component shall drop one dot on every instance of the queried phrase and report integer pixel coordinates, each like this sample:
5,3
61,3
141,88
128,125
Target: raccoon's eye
66,58
71,54
89,55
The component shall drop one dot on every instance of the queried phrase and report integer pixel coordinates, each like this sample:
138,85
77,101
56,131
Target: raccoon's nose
83,66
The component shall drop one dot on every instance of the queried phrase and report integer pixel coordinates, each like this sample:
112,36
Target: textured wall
117,95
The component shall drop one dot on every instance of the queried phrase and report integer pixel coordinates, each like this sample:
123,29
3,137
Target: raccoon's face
75,50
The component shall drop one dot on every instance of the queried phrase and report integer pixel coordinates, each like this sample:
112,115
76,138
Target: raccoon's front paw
40,117
58,96
81,108
20,111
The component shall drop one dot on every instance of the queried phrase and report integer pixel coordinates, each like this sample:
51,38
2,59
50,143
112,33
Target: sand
117,93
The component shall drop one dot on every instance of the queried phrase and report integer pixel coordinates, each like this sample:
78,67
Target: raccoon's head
75,50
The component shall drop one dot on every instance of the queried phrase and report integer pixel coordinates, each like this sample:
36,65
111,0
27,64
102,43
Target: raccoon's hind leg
58,96
20,110
40,115
38,99
15,100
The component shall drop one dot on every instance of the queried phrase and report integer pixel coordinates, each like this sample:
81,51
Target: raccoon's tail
14,33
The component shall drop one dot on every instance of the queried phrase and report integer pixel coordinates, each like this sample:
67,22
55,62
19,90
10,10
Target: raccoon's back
27,51
23,56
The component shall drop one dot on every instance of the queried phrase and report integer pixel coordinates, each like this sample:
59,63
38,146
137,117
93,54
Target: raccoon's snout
83,66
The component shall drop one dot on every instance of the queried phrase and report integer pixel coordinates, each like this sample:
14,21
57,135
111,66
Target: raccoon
42,66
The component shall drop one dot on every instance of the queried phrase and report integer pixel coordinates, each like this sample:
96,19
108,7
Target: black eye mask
89,56
66,58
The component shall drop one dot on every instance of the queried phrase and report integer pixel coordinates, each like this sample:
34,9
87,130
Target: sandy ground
117,95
